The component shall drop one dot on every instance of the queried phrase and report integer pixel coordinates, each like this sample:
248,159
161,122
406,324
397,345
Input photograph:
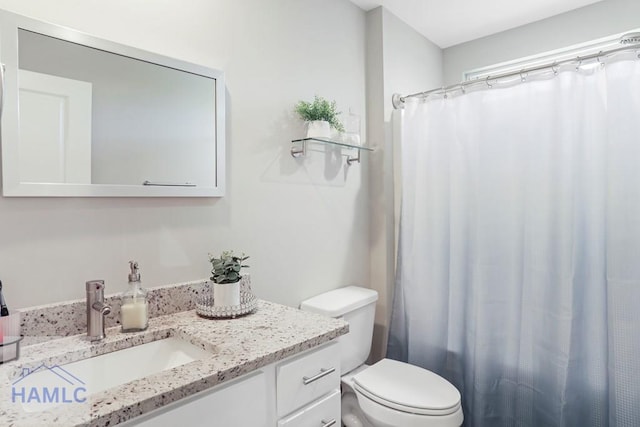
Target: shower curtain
518,275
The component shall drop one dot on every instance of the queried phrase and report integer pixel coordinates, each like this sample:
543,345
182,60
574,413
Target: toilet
388,393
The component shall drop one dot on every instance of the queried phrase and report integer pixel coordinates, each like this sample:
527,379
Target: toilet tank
357,306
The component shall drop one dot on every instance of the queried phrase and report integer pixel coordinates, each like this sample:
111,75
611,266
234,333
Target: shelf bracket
351,159
299,151
299,148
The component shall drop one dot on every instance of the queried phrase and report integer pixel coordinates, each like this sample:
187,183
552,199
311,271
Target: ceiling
450,22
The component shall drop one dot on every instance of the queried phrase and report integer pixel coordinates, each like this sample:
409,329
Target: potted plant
320,115
225,274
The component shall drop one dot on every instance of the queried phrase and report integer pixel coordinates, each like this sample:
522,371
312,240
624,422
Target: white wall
304,224
412,63
578,26
399,60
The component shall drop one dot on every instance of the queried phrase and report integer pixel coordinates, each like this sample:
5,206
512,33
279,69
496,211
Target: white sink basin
49,386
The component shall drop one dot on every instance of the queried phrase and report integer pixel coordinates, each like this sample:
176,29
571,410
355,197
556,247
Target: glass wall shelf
299,147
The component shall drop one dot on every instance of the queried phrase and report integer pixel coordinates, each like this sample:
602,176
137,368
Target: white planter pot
318,129
226,294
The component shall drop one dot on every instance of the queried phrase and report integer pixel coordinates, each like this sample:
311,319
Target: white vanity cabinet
300,391
324,412
243,402
308,388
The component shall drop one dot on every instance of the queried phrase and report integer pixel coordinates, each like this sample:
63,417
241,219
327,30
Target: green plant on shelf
320,109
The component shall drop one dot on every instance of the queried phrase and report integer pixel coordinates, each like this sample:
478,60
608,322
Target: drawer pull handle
316,377
328,423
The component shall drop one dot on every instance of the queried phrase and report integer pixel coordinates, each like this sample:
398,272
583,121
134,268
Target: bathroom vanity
294,392
278,366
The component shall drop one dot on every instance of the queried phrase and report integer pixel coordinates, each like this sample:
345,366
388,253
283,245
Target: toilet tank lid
340,301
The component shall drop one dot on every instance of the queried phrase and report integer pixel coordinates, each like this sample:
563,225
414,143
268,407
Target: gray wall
399,59
411,62
304,223
578,26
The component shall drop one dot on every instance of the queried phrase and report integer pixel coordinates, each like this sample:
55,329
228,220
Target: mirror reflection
87,117
91,116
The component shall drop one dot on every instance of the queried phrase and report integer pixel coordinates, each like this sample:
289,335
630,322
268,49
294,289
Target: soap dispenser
134,311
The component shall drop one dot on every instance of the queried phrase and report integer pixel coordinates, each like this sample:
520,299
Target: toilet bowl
352,415
389,393
392,393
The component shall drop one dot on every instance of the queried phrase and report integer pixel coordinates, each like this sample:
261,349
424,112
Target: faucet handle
101,308
95,285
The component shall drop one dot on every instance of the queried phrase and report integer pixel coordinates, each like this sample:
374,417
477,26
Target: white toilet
388,393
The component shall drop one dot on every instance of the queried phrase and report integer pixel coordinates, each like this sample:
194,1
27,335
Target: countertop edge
241,346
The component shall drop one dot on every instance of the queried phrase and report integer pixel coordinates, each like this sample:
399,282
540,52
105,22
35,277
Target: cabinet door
323,412
224,406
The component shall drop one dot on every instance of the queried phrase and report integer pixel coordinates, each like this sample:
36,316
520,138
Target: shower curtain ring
600,54
579,63
489,85
523,76
554,68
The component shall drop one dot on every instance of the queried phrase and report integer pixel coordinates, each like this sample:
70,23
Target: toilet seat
407,388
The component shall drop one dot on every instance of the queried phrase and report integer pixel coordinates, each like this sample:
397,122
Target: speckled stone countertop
238,346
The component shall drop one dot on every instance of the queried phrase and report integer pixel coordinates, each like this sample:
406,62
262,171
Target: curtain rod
398,100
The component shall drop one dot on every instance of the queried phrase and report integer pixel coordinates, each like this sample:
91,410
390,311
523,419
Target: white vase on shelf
318,129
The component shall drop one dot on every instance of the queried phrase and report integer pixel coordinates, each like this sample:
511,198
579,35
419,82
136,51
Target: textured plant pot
226,294
318,129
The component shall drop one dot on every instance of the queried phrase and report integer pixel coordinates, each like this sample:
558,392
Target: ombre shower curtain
518,275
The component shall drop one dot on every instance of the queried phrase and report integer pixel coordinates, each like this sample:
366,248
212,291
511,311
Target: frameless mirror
88,117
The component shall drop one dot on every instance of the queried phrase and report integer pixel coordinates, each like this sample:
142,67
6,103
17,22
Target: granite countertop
237,346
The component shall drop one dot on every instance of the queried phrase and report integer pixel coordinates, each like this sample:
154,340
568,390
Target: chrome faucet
96,309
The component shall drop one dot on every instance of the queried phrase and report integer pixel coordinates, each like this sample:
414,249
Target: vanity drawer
322,413
306,378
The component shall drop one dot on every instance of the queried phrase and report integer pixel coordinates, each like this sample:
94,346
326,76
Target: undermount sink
49,386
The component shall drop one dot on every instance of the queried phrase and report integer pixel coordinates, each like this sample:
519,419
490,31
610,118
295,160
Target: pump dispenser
134,311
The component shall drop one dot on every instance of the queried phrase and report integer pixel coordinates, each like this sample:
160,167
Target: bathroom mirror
86,117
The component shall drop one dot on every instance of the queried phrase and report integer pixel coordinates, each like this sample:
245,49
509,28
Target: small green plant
226,268
320,109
